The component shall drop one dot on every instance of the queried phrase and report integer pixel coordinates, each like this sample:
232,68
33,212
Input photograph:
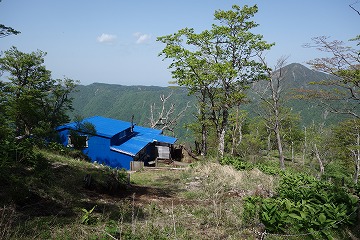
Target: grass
204,201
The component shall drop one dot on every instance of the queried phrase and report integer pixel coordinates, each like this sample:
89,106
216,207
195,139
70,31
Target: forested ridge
121,102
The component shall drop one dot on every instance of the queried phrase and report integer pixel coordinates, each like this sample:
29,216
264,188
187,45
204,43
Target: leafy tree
33,99
218,64
254,139
340,95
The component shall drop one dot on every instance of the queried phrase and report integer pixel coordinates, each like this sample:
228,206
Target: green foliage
218,72
6,31
304,204
87,218
240,164
252,207
237,163
20,167
35,103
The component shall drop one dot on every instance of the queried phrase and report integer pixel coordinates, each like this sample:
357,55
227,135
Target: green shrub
237,163
305,204
252,207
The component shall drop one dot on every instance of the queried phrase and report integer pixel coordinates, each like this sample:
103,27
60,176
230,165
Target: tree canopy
219,64
32,100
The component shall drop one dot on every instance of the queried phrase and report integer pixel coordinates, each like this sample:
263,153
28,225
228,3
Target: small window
78,141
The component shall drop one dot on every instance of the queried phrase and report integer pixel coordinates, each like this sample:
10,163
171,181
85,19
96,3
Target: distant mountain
121,102
299,76
295,77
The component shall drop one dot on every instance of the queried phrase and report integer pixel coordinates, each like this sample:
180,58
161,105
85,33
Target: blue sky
114,41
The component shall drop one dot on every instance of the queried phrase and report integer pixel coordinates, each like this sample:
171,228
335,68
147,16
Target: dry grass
203,202
215,180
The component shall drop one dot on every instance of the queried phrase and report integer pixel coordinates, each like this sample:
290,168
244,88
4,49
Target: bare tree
271,97
341,94
164,118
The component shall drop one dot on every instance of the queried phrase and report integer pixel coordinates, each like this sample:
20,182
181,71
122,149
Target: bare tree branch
165,118
351,6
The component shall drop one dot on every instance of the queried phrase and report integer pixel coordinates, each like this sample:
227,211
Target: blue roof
141,137
106,127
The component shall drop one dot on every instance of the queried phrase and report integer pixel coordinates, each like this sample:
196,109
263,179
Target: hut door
163,152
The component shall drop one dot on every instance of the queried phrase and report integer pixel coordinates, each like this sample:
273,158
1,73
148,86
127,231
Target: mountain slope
121,102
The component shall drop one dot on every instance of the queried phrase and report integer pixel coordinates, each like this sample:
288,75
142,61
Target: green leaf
322,218
293,215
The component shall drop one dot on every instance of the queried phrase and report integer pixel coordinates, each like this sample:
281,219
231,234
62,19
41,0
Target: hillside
121,102
56,200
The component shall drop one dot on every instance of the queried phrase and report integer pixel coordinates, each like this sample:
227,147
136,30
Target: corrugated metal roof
106,127
154,135
141,139
132,146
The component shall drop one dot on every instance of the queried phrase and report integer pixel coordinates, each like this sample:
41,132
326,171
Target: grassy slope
203,202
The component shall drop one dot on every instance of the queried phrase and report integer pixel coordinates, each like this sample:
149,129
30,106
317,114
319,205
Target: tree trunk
221,147
280,148
305,146
321,165
203,139
356,154
234,133
357,168
202,100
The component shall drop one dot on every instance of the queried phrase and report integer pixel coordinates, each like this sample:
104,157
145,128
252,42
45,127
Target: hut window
78,141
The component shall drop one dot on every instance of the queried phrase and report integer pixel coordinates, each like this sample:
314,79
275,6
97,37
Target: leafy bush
237,163
252,207
304,204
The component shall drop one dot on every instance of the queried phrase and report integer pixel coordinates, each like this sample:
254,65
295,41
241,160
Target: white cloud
106,38
142,38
